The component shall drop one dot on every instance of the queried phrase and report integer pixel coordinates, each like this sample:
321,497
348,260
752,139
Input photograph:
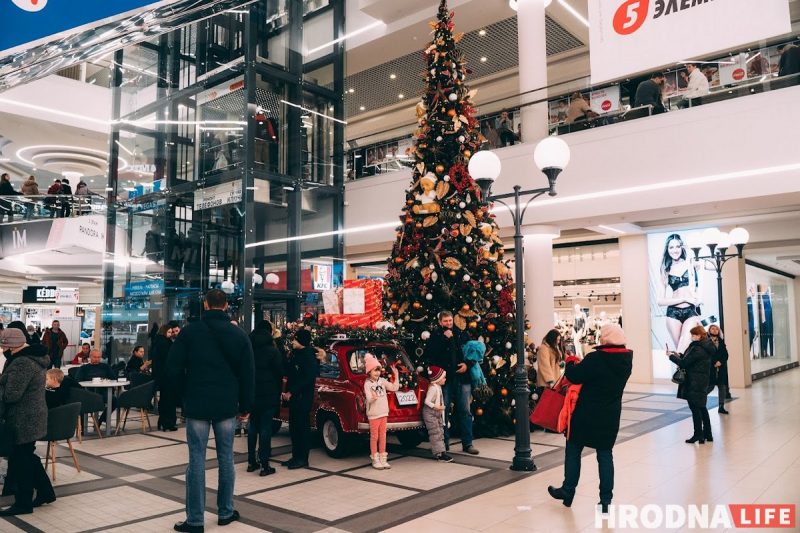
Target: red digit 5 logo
630,16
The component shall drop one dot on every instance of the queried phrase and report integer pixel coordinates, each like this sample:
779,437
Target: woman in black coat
603,374
268,381
719,365
696,361
302,370
168,396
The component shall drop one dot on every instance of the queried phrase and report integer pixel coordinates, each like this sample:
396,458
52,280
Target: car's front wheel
336,442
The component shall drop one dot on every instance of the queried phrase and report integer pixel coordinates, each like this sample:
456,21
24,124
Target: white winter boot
376,462
384,462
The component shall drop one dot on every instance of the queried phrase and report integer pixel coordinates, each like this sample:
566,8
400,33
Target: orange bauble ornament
398,259
503,392
439,168
451,112
452,273
473,325
478,412
416,305
418,225
467,153
491,327
394,307
465,307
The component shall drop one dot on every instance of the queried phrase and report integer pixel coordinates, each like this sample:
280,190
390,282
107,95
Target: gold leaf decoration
465,229
452,263
458,36
470,218
442,189
410,263
421,168
502,269
429,221
460,322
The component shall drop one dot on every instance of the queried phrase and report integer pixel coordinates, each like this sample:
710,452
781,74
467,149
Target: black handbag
679,377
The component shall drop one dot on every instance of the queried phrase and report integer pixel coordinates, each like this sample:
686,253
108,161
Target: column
532,41
538,257
634,281
734,303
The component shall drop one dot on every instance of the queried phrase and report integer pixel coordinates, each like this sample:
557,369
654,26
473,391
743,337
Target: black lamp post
718,243
551,156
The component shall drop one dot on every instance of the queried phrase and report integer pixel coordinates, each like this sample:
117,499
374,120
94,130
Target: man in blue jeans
213,359
445,349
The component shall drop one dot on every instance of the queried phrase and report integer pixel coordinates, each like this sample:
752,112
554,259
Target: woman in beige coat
548,358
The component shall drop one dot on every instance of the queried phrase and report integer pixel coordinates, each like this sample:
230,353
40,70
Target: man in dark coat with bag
602,375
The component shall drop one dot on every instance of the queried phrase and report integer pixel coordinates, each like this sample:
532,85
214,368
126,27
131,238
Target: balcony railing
15,208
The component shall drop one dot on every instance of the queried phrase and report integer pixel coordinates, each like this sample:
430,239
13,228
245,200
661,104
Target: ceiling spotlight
401,96
362,108
482,33
351,90
392,76
483,59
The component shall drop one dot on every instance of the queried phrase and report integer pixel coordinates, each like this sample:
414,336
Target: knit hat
371,362
303,336
612,334
18,324
11,338
435,373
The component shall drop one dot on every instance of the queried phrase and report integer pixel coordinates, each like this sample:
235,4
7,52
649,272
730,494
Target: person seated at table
82,357
57,387
95,369
137,363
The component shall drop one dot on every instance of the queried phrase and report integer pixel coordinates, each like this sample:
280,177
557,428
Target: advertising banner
632,36
67,296
87,232
37,21
683,294
24,237
138,289
322,277
605,100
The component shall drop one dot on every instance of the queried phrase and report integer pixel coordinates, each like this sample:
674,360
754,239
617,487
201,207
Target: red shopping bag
547,409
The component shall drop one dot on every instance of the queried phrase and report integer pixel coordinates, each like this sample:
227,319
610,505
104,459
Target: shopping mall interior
311,157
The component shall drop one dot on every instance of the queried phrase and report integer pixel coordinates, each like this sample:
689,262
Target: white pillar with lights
532,44
539,275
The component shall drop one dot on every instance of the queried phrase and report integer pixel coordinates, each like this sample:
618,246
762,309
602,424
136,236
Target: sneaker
444,458
252,467
266,471
471,450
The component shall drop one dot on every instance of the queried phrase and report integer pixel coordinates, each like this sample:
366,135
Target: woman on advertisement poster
680,295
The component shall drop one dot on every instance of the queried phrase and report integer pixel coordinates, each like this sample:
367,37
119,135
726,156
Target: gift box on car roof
358,302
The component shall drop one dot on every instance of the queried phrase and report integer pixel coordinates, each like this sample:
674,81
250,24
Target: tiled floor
135,482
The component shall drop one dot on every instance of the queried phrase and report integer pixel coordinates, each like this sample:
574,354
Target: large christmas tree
448,254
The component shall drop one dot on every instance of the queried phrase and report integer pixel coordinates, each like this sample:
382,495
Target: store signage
218,195
39,295
605,100
24,237
632,36
150,287
218,92
37,21
67,296
87,232
322,277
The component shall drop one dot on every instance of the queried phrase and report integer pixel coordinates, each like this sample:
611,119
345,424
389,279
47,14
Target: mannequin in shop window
679,292
579,329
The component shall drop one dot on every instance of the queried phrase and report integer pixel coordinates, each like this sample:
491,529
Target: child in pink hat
375,389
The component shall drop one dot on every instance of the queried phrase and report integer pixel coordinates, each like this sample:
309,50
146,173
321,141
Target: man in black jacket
214,360
301,376
649,93
66,203
445,349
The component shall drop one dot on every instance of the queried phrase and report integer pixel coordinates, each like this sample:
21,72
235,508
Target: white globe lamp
484,167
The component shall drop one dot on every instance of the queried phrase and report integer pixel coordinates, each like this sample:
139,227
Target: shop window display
771,320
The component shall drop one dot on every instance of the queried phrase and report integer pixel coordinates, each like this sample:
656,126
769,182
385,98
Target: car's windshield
385,354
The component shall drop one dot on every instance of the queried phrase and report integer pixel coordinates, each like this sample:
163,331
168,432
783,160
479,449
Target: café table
110,385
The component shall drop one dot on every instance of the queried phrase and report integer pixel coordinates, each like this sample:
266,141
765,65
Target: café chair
141,398
91,404
61,425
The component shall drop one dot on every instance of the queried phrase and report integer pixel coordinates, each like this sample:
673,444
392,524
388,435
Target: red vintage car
339,409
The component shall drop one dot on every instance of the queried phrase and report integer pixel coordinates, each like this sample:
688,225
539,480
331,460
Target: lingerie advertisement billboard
683,294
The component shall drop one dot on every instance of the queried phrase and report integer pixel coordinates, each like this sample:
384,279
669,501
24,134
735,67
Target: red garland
505,301
460,178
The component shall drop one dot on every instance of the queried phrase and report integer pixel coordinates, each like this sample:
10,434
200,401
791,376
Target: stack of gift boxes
356,305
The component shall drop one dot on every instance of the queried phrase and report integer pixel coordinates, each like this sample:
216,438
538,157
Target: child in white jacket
433,413
375,389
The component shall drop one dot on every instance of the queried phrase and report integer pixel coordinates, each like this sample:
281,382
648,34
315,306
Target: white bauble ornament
508,346
458,215
432,266
429,296
420,370
495,359
535,396
498,287
439,139
425,335
462,205
453,97
257,279
466,277
272,278
399,321
446,177
468,239
461,138
433,72
513,403
434,276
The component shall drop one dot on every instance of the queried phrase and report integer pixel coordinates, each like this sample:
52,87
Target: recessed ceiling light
482,33
401,96
392,76
351,90
483,59
362,108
